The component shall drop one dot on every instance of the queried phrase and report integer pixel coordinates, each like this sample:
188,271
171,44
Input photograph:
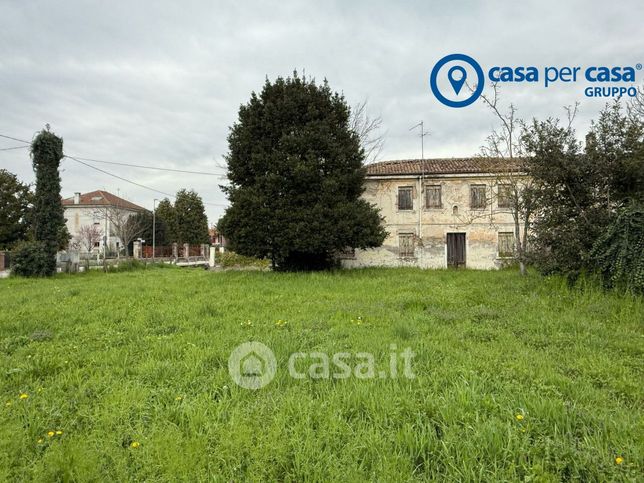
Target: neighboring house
97,209
216,238
441,213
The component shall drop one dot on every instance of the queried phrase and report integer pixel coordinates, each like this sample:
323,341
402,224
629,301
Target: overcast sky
159,83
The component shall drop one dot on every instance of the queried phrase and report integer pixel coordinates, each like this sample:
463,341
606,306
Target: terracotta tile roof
102,198
442,166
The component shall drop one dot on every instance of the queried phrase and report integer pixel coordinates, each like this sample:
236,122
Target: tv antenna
423,133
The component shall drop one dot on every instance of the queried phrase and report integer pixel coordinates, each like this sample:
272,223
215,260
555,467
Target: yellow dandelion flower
59,432
178,398
24,396
619,460
135,444
50,434
519,417
40,441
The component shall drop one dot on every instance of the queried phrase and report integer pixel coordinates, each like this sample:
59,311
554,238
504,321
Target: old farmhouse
442,213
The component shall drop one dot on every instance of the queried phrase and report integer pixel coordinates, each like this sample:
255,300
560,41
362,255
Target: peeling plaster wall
481,226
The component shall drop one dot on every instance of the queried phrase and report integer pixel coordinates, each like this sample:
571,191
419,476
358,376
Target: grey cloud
159,83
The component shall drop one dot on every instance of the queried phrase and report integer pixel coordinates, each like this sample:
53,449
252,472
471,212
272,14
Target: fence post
136,250
186,250
212,252
1,261
175,251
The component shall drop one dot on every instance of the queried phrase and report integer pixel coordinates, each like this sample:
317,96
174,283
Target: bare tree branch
124,224
87,237
367,128
571,113
511,185
636,105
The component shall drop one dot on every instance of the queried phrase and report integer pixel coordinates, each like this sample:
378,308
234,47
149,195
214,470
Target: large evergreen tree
192,222
296,174
15,206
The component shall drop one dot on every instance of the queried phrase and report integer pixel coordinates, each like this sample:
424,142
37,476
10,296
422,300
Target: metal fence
159,252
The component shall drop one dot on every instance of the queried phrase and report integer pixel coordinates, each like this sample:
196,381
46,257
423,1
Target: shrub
131,265
127,266
618,254
232,259
33,259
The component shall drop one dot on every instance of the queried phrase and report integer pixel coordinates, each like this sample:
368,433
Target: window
433,197
477,196
506,244
406,244
405,198
505,196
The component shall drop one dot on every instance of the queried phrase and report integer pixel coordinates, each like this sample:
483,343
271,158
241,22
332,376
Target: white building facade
92,210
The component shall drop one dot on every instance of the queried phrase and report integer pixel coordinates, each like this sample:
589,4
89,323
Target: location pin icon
457,84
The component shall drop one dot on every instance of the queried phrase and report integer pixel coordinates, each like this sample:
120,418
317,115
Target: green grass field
517,378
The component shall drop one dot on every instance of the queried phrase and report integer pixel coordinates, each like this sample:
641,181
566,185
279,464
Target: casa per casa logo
458,80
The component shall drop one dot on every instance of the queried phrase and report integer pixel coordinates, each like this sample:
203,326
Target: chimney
77,198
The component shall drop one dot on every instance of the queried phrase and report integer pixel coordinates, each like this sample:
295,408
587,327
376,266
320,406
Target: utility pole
421,180
106,237
154,228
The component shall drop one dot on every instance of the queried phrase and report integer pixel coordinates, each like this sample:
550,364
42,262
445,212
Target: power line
14,139
131,182
82,161
116,176
92,160
205,173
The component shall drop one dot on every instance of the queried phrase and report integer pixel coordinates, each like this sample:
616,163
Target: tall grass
517,378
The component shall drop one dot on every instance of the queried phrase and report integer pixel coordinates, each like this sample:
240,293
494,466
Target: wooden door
456,250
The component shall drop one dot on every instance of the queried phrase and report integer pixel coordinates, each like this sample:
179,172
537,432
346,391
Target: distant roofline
442,166
107,199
